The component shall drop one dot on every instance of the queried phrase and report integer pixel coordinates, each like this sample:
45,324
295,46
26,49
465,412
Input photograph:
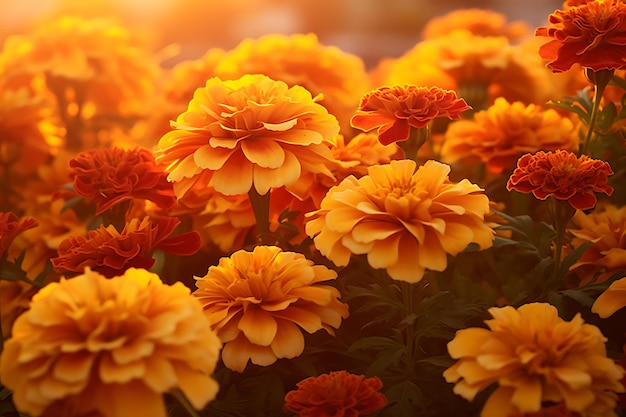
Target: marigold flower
559,410
111,252
479,22
250,132
394,110
109,176
14,299
611,300
504,132
111,346
562,175
605,227
97,56
592,35
38,199
29,132
406,221
179,85
340,78
258,301
478,68
226,221
535,356
10,227
567,4
337,393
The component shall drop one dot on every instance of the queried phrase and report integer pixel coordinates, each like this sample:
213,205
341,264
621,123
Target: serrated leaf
443,361
385,361
404,399
377,342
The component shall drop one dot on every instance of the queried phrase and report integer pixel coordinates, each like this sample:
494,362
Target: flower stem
261,208
562,213
600,80
417,137
178,395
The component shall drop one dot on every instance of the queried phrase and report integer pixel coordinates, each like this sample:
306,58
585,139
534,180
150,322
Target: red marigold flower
10,227
110,253
394,110
563,175
109,176
592,35
336,394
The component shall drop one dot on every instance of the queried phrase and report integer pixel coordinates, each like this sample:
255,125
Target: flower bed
276,230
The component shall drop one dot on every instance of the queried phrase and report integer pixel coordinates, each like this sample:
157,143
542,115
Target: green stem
407,297
600,80
562,213
417,137
178,395
261,208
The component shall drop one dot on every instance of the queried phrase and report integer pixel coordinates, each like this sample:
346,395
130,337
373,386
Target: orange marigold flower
337,393
340,78
559,410
14,299
504,132
535,356
479,22
109,176
111,347
179,85
478,68
95,60
394,110
250,132
226,221
29,132
110,252
10,227
574,3
605,227
406,221
592,35
54,222
563,175
611,300
258,301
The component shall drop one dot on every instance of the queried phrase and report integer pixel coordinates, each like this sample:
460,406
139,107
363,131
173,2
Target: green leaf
404,399
375,342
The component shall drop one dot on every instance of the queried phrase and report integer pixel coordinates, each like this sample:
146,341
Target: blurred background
372,29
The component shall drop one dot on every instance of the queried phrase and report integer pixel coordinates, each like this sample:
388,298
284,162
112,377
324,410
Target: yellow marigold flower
250,132
504,132
611,300
112,346
605,227
535,356
300,59
479,22
259,301
406,221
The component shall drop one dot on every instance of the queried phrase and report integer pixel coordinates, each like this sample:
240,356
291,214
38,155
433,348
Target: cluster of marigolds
173,240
